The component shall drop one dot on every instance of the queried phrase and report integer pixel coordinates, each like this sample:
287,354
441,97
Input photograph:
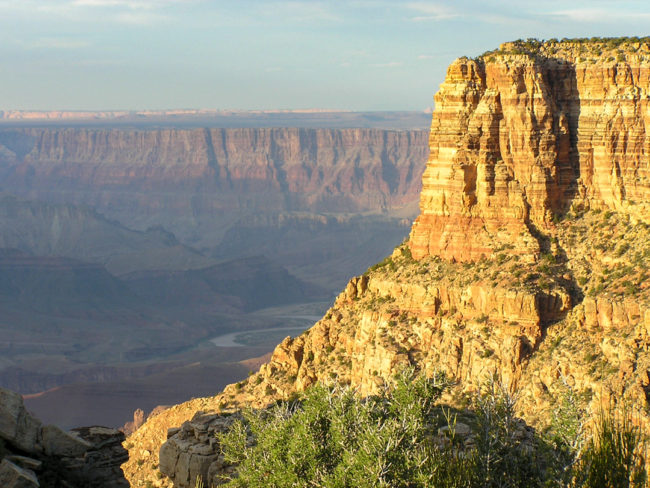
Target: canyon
127,246
207,185
527,262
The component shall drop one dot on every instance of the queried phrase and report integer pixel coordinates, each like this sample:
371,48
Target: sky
268,54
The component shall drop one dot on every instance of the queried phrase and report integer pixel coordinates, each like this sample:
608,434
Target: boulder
103,461
33,454
18,426
13,476
57,442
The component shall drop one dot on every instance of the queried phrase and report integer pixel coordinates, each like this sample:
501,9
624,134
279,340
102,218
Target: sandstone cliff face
516,138
528,261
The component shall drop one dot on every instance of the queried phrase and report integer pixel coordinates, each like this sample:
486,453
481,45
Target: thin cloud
119,11
112,3
595,15
436,12
136,12
129,4
425,56
59,43
296,11
139,18
431,12
391,64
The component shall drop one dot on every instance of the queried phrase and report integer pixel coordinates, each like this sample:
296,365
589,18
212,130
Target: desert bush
614,456
332,438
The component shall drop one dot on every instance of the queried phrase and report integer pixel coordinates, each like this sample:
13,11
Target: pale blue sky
267,54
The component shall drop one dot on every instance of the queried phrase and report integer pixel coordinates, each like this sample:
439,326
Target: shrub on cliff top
333,438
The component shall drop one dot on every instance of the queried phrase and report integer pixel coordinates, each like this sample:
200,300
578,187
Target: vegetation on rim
403,437
583,49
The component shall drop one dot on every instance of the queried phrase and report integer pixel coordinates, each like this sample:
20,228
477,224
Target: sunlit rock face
516,138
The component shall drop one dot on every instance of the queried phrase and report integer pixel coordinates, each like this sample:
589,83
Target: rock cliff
215,173
528,260
518,135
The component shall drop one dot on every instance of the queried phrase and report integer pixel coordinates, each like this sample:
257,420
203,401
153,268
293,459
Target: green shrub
332,438
487,353
406,254
612,458
566,434
622,249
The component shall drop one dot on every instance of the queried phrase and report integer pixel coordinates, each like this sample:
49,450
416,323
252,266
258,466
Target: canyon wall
179,178
518,136
528,262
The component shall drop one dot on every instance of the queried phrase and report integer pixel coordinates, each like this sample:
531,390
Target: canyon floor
194,372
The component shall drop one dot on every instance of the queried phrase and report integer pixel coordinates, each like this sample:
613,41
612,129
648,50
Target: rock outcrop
521,265
517,136
33,455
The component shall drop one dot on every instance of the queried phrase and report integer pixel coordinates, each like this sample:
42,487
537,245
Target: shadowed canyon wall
197,182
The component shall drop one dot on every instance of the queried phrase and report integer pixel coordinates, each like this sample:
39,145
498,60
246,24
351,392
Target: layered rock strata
169,176
518,135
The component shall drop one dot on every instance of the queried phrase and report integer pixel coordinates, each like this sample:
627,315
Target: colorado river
231,339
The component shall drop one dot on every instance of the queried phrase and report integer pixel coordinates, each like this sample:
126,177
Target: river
230,339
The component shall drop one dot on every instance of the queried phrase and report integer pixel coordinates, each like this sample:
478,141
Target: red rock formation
516,138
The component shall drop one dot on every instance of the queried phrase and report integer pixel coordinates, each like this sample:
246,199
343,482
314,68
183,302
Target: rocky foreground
529,259
33,454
